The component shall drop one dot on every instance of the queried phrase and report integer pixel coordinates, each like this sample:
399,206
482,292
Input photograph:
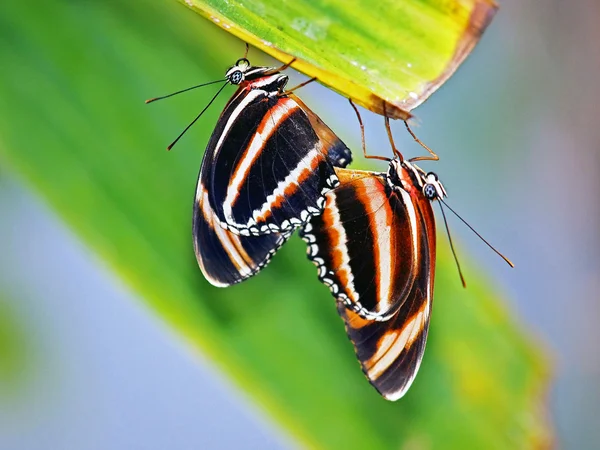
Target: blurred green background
83,170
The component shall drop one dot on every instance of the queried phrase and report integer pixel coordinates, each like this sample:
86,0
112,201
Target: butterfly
374,247
268,164
227,255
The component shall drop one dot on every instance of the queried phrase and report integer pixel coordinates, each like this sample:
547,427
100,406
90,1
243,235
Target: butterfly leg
289,91
433,157
389,132
362,135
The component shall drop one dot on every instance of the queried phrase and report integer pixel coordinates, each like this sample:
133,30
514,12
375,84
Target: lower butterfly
374,247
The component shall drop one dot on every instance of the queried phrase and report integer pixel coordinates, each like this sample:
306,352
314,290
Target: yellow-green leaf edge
375,52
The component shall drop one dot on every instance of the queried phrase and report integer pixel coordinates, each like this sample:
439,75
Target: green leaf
74,126
375,52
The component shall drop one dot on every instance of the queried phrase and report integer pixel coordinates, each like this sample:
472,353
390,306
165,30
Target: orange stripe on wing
347,176
395,341
338,247
354,321
371,193
291,185
269,124
230,243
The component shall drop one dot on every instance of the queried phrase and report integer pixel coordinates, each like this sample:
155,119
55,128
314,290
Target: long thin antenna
462,278
362,135
197,117
508,261
150,100
247,49
433,157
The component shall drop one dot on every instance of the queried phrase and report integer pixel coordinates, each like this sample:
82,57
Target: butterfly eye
236,77
430,191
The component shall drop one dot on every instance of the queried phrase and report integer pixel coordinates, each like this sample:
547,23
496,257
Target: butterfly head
242,71
236,74
410,177
433,187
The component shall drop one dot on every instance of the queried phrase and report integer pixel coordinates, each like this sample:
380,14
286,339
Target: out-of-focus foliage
370,51
13,347
73,124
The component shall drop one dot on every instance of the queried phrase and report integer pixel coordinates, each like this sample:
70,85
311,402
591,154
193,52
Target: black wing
390,352
225,257
375,249
365,244
266,167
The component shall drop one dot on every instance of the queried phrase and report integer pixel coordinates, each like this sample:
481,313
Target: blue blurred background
516,130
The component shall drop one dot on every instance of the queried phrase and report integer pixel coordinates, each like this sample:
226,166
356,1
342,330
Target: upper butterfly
266,168
374,246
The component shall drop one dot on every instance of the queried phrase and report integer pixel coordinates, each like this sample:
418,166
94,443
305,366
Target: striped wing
390,352
337,153
226,258
266,167
375,249
365,244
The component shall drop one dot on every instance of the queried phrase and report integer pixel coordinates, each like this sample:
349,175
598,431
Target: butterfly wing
390,352
266,167
364,244
375,249
337,153
225,257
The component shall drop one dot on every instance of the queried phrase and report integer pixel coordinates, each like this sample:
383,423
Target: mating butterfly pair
272,166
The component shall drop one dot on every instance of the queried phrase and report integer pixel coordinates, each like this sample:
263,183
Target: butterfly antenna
508,261
462,278
150,100
197,117
247,50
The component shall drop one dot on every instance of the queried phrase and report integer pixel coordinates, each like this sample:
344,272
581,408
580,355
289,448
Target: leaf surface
375,52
